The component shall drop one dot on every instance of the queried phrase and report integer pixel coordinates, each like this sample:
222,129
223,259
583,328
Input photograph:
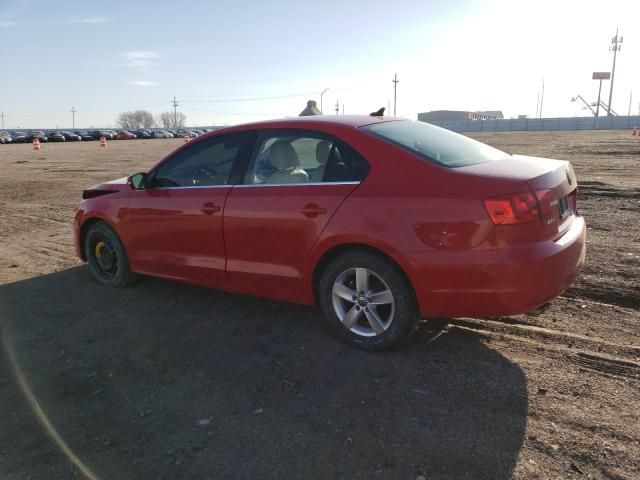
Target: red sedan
124,135
380,221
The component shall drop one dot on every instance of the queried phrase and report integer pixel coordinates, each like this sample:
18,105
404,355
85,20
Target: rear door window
303,156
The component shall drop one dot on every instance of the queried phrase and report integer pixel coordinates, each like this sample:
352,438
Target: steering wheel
205,176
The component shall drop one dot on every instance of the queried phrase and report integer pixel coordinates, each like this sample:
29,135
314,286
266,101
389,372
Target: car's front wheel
367,300
106,256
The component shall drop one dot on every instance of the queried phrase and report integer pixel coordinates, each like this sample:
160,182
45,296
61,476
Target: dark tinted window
435,144
303,156
209,162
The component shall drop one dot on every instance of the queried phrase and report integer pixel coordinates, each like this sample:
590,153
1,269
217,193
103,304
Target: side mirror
138,181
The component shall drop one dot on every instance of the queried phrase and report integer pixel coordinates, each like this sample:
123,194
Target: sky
231,62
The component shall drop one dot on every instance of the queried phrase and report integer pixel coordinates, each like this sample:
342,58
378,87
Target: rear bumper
507,281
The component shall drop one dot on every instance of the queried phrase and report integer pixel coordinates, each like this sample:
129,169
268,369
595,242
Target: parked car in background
56,137
107,134
125,135
380,221
19,137
71,137
5,137
84,135
182,132
142,133
36,134
161,134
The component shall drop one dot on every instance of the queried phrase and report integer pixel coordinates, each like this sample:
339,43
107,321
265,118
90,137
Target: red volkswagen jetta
379,220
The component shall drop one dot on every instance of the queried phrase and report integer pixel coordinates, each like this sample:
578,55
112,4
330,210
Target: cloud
142,83
88,20
8,24
141,59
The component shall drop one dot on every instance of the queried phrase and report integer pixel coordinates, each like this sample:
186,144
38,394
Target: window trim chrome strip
309,184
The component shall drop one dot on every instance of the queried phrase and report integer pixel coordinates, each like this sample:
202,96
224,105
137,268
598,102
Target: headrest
322,151
282,155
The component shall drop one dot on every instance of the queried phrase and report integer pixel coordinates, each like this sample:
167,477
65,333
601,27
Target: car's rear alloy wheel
106,256
363,302
367,300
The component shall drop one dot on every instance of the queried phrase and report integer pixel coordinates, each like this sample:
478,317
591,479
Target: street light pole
395,86
321,94
616,44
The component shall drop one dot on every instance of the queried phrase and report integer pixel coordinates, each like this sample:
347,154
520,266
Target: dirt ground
167,381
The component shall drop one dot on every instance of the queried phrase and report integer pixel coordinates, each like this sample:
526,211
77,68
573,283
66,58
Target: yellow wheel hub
98,250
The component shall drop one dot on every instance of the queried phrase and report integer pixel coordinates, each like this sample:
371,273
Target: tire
380,320
106,256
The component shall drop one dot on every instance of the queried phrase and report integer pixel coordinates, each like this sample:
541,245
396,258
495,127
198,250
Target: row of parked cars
15,136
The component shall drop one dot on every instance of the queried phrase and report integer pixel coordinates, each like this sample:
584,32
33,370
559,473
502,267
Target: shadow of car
170,380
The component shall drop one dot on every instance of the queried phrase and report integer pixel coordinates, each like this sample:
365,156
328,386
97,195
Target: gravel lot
166,381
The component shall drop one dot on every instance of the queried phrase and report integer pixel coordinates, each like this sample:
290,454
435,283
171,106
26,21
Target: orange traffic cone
103,142
186,137
36,144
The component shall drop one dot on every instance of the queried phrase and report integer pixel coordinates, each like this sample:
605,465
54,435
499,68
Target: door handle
312,210
209,208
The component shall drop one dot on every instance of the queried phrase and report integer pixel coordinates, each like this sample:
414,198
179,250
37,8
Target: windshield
435,144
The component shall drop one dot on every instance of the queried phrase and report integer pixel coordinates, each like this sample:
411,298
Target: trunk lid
552,181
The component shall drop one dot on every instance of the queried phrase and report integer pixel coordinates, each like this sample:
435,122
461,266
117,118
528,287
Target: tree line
144,119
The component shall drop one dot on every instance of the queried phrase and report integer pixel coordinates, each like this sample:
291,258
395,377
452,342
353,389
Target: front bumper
488,283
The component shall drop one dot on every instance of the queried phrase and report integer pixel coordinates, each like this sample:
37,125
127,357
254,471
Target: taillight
513,209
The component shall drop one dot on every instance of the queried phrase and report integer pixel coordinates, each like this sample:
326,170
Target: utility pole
175,112
343,108
73,117
395,87
337,107
541,98
630,100
2,115
616,44
321,94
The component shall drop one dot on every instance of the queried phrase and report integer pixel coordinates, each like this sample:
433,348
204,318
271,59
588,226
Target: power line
276,97
248,114
253,99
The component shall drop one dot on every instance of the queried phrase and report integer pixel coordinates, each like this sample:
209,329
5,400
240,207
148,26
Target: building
444,115
310,109
495,113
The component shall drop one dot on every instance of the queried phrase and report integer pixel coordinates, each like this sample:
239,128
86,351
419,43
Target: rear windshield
435,144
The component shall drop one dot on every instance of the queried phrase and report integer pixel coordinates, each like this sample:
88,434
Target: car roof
354,121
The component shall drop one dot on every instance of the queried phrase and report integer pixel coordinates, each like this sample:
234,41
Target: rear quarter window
435,144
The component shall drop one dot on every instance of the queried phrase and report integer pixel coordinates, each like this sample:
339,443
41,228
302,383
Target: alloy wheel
363,302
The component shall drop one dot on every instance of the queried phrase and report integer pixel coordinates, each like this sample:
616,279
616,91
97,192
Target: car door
173,228
294,182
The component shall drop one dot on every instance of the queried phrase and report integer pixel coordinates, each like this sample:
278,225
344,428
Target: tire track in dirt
598,189
595,354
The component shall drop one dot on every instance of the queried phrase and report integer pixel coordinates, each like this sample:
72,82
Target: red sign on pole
601,76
